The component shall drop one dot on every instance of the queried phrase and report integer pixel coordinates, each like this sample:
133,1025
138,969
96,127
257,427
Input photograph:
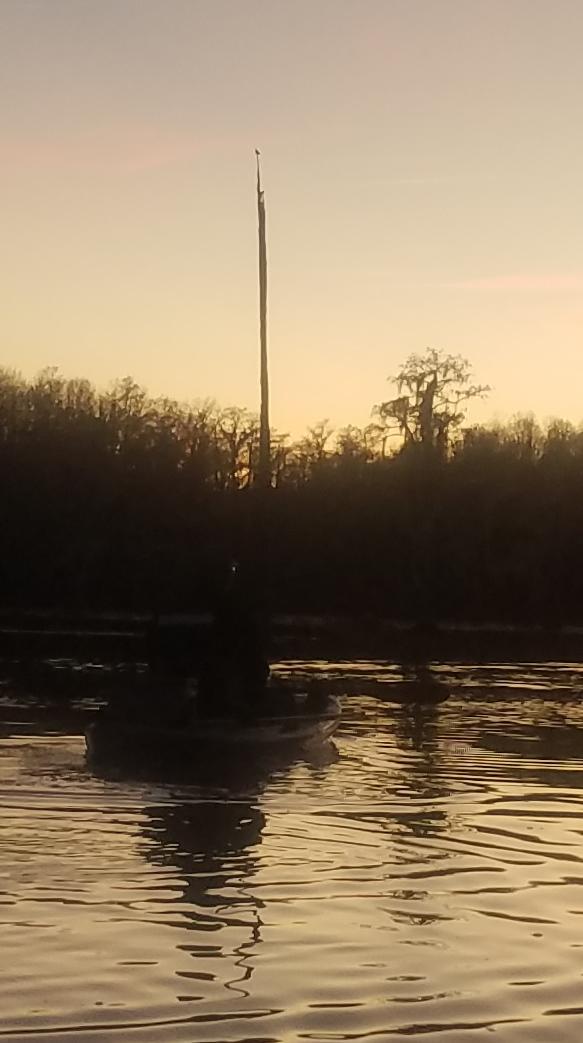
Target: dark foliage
117,500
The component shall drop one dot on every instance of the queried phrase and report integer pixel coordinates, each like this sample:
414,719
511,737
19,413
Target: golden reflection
210,841
212,845
431,876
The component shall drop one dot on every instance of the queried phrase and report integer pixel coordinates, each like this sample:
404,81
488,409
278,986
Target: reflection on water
425,880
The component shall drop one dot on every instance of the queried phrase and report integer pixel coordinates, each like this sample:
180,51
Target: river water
421,876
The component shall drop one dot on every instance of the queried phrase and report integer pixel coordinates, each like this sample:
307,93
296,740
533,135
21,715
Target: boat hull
108,736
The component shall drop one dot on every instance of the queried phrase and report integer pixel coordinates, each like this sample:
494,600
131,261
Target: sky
422,165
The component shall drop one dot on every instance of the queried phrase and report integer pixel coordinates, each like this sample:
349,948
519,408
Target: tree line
115,499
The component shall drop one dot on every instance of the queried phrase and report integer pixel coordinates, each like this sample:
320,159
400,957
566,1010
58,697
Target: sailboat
156,721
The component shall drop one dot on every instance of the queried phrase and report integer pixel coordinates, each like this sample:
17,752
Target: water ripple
425,881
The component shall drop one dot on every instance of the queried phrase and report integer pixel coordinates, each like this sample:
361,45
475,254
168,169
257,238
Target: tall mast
264,470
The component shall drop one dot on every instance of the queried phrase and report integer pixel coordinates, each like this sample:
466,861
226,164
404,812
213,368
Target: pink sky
422,167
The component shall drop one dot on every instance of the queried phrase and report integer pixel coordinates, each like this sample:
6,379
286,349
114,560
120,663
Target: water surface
421,877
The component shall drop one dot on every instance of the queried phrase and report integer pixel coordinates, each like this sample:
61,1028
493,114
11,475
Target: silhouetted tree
432,390
118,499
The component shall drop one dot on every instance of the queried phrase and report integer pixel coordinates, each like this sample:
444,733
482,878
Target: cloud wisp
555,282
112,150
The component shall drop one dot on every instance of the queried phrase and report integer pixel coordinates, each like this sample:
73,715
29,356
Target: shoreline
120,636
